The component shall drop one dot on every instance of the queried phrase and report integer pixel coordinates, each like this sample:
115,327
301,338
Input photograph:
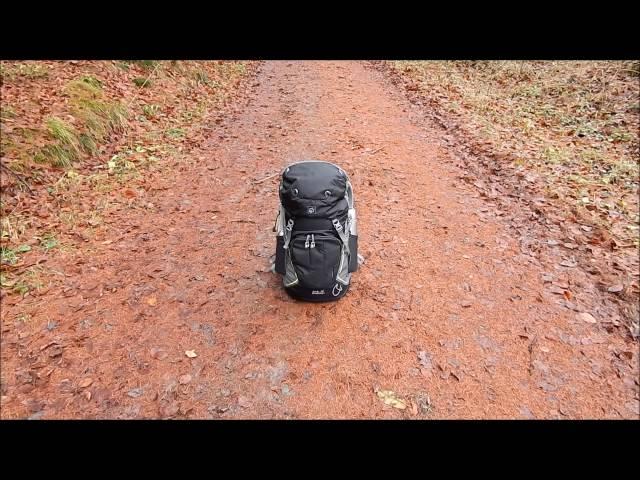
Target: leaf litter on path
390,398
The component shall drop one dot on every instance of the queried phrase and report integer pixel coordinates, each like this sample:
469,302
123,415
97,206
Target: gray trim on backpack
290,277
343,276
349,193
350,228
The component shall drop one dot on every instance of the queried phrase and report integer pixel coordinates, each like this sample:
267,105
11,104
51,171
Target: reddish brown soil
446,306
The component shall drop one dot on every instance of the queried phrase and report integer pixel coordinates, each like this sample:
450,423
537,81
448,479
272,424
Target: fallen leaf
135,392
87,395
191,353
169,410
627,354
85,383
390,398
465,304
424,403
425,359
158,353
55,351
569,263
586,317
48,345
35,406
184,379
615,288
152,301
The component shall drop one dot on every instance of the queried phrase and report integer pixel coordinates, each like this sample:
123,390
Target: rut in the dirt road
446,319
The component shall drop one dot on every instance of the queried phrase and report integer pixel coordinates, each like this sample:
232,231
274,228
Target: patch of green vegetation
23,317
587,129
30,70
88,143
99,182
142,82
619,135
238,68
6,111
63,132
30,280
70,219
554,155
48,241
8,256
146,64
99,116
201,77
91,80
121,164
67,147
13,226
622,172
150,110
531,91
174,132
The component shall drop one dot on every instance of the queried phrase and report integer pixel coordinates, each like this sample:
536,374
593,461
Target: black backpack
317,239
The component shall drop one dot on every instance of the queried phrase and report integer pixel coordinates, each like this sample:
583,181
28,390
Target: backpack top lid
314,189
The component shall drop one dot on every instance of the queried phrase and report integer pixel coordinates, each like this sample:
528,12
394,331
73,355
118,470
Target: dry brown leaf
390,398
586,317
158,353
85,382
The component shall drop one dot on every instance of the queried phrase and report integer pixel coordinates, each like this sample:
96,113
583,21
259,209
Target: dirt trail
446,312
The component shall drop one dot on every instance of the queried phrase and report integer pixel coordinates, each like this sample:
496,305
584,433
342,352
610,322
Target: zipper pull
306,243
313,241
